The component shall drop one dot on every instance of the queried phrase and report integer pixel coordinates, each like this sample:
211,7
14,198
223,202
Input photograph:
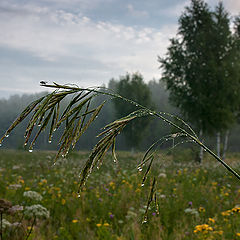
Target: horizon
86,43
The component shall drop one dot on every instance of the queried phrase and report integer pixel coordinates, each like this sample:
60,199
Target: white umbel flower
33,195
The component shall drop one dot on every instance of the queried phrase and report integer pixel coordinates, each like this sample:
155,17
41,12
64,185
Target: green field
193,202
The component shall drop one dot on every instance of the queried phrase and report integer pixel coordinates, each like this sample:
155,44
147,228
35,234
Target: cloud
74,48
136,13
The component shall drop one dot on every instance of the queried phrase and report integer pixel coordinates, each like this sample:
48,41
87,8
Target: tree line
201,73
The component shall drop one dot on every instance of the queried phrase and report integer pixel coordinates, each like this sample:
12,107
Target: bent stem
30,231
1,226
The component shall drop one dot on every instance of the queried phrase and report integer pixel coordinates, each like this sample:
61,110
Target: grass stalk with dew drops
78,115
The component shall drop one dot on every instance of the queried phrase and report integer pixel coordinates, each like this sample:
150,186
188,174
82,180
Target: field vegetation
192,201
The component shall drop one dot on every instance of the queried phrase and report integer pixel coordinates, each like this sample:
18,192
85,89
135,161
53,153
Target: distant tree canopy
134,88
201,68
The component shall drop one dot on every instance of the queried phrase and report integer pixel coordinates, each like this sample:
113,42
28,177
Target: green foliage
201,68
113,203
133,87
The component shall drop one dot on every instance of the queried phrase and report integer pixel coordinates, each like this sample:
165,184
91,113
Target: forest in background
12,107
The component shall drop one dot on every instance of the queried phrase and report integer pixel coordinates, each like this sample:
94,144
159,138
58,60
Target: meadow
192,201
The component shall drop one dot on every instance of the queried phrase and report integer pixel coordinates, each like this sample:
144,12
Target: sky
86,42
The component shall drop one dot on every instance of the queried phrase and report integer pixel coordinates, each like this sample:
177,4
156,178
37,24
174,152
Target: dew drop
30,150
151,113
6,135
139,169
79,196
54,164
142,185
39,125
144,221
0,144
50,141
25,144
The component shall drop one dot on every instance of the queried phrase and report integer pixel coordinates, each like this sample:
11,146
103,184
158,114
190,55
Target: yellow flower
236,210
98,224
63,201
211,220
106,225
226,213
226,194
44,181
74,221
205,228
27,188
21,181
111,184
238,234
75,182
138,190
201,209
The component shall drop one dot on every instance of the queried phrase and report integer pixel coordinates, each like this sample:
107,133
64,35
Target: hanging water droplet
97,167
39,125
30,150
54,164
50,141
0,144
25,144
6,135
139,169
79,196
151,113
114,161
142,185
144,221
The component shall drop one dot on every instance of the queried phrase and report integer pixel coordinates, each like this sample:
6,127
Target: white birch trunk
225,145
201,149
218,144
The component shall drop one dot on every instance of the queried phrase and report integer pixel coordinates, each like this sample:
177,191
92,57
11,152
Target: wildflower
36,210
21,181
111,184
211,220
203,228
14,186
138,190
63,201
111,215
98,224
106,225
238,234
74,221
226,213
33,195
236,210
201,209
192,211
190,203
5,205
220,232
163,175
27,188
44,180
5,224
